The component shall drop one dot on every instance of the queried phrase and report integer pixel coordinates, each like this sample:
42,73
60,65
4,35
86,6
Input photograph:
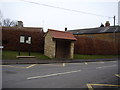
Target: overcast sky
53,14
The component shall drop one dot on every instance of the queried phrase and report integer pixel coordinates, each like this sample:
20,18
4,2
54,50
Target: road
62,75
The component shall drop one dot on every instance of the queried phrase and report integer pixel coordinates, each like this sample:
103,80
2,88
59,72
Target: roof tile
62,35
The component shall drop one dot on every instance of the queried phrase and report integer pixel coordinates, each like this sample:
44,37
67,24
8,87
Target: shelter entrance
62,49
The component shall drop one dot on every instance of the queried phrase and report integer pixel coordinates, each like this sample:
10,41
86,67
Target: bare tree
8,23
1,16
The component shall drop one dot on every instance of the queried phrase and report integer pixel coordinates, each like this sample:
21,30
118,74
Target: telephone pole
114,20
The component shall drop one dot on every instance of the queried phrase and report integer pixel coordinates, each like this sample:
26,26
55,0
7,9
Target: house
23,38
59,44
100,40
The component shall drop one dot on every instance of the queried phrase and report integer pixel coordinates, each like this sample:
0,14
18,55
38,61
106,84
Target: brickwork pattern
10,39
103,44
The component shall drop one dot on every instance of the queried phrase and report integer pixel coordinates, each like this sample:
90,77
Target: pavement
84,75
36,61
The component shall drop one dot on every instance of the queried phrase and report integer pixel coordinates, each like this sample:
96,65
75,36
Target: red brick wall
107,43
103,44
10,39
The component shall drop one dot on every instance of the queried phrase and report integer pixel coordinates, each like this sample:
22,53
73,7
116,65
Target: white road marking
106,66
75,63
51,64
63,64
55,74
86,63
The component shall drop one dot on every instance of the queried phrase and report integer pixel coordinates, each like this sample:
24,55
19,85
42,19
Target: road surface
64,75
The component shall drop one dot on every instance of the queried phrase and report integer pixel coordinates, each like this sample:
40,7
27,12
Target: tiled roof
98,30
61,35
23,28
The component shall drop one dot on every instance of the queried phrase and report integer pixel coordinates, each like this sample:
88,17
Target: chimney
65,28
107,24
101,25
20,24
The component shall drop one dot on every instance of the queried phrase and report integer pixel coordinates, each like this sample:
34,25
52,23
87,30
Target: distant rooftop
23,28
98,30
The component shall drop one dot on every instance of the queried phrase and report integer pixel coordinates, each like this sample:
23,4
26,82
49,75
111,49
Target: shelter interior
62,48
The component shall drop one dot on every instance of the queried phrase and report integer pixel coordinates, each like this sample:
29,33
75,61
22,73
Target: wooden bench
25,56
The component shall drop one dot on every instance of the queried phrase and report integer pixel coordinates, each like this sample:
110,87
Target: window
22,39
25,39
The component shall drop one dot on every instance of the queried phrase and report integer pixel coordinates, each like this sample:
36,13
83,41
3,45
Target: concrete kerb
35,61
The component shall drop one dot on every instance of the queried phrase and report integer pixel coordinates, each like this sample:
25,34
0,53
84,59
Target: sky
58,14
119,13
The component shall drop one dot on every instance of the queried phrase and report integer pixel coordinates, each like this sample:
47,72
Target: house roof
32,29
98,30
62,35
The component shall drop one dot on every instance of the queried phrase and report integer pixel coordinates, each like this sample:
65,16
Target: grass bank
13,54
77,56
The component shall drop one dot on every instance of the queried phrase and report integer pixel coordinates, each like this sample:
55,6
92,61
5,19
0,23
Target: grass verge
13,54
77,56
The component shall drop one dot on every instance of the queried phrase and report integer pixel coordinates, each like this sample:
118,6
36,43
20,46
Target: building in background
103,40
23,38
119,13
97,41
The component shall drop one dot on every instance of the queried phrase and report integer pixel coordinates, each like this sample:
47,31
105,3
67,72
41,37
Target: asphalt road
67,75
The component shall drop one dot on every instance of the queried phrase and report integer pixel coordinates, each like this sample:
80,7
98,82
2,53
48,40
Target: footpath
35,61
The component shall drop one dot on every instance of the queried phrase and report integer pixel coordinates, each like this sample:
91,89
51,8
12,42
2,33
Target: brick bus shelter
59,44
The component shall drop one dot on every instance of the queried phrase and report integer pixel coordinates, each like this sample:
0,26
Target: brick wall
10,39
106,43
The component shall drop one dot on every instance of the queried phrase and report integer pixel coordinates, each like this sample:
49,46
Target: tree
8,23
1,17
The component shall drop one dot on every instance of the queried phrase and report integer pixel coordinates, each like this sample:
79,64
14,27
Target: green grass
77,56
13,54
